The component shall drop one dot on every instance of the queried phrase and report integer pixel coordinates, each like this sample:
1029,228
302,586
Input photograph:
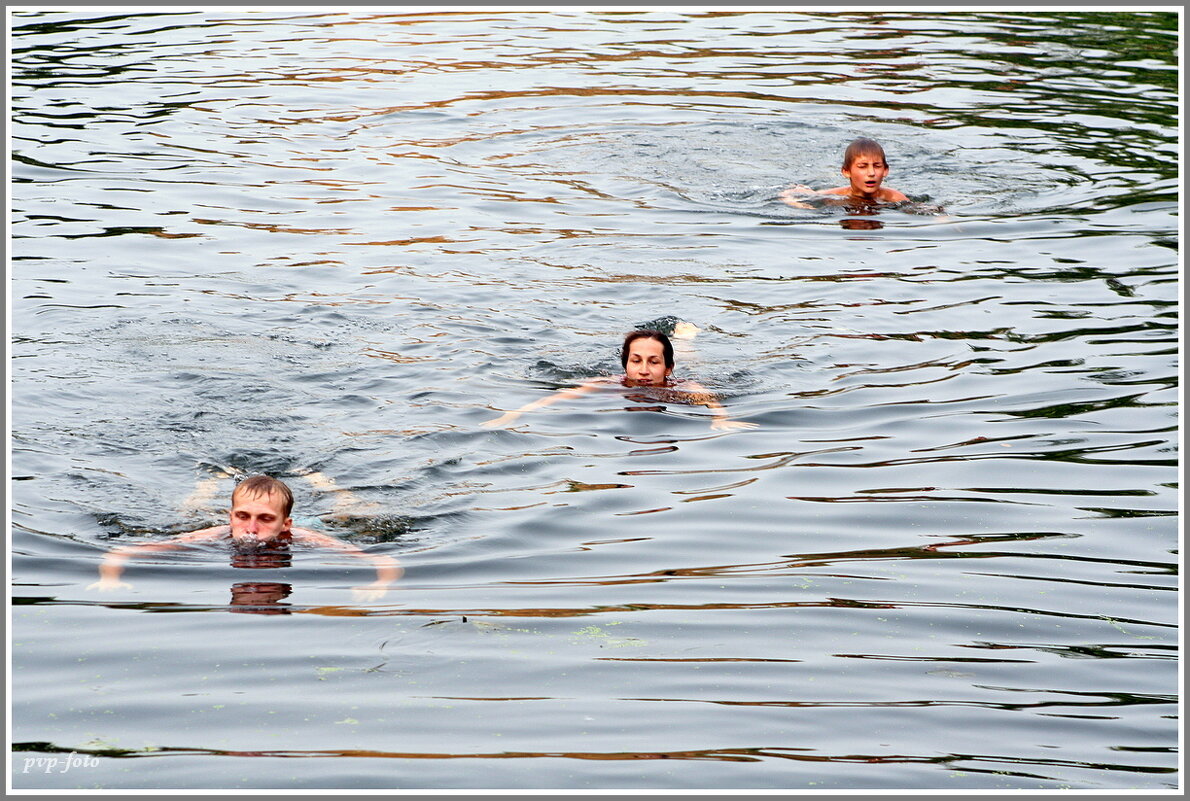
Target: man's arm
112,566
388,569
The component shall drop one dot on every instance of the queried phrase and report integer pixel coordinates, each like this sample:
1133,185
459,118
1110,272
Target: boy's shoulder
892,195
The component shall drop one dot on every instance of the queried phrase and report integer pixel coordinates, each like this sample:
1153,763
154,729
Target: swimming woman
648,360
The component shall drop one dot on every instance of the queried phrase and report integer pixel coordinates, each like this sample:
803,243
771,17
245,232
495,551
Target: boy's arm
804,191
572,392
388,569
789,196
112,566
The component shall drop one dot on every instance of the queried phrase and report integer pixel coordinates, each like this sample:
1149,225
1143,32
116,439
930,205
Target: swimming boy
865,168
647,357
259,517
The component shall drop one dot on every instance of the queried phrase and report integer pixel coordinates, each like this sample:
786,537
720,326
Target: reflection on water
290,241
852,224
260,598
248,558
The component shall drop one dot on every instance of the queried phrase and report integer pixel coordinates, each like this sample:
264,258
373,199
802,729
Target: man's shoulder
307,536
204,534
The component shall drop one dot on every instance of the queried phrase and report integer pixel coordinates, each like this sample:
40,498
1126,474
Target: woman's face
646,363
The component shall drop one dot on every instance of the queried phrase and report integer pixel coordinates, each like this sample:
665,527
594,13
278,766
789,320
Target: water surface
292,241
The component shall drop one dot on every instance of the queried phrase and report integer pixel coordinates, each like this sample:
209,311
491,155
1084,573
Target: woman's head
647,357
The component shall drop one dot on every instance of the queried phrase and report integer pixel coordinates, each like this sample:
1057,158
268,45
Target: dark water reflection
294,241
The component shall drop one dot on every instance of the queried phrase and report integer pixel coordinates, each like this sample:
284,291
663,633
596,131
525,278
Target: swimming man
259,518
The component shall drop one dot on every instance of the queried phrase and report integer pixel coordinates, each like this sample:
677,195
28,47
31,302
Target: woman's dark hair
667,348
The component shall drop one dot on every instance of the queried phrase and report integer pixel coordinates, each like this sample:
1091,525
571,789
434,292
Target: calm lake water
292,241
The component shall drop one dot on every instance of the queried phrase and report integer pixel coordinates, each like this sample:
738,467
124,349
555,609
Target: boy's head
863,146
865,168
260,507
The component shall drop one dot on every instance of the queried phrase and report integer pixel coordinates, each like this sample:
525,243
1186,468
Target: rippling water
290,241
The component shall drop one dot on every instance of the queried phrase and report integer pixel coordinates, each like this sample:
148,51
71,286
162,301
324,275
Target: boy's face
866,172
258,518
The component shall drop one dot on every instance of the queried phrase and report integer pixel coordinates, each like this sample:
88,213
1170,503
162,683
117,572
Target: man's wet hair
863,146
667,347
265,485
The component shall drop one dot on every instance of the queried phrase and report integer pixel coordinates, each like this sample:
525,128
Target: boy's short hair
265,485
863,146
667,347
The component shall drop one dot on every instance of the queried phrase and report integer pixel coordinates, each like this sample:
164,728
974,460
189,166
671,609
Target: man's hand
369,592
108,583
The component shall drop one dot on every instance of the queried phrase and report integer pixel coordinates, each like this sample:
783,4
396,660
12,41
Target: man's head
260,507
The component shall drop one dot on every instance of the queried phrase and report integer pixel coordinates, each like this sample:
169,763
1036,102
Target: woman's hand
727,424
501,421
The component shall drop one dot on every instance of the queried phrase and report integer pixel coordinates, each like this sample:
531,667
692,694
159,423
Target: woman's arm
572,392
702,396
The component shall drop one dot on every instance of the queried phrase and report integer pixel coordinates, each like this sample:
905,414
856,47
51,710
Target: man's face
258,518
